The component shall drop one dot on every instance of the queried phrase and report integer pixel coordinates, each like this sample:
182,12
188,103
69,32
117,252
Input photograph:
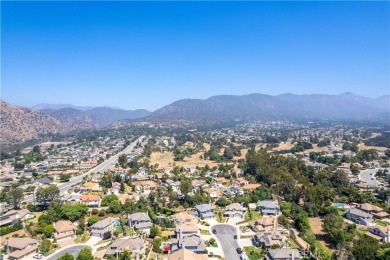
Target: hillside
283,107
73,119
22,124
109,115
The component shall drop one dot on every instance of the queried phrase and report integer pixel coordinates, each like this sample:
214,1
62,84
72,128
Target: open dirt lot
362,146
316,227
166,160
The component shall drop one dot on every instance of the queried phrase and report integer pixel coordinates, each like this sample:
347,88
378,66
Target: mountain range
20,124
291,107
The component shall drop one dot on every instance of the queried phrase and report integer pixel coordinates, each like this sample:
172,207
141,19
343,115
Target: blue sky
149,54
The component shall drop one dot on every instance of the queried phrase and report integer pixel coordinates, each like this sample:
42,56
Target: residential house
63,230
205,211
44,181
269,239
90,200
263,224
185,254
213,192
145,187
20,248
12,216
91,186
187,229
251,186
71,198
184,218
239,182
359,216
140,221
373,210
197,183
234,210
220,181
190,169
136,246
193,243
103,228
115,188
283,254
268,207
233,191
381,234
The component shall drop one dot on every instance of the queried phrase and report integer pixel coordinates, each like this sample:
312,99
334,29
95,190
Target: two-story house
359,217
90,200
63,230
140,221
381,234
136,246
205,211
193,243
268,207
103,228
234,210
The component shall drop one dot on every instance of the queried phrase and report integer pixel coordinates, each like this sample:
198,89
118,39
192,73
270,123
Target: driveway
225,235
73,250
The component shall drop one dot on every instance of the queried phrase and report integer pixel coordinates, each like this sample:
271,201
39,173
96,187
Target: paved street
225,235
73,250
107,164
366,176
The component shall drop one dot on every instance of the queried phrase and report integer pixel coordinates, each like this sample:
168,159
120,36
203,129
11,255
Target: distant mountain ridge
221,108
45,106
20,124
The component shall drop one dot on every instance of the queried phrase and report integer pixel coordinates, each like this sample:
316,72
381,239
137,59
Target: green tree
85,254
45,246
92,220
365,248
36,149
115,207
14,197
107,200
67,256
154,231
185,186
48,231
156,245
65,177
44,196
73,212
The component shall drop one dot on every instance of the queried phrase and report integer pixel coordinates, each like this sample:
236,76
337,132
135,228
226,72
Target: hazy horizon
144,55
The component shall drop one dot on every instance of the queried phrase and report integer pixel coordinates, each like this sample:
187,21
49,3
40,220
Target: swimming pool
338,205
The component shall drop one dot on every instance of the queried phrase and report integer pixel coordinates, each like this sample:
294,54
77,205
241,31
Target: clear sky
149,54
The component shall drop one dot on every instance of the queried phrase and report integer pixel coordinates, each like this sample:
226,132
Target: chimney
388,236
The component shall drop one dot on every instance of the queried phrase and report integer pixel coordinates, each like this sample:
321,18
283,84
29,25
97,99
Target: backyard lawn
252,216
254,253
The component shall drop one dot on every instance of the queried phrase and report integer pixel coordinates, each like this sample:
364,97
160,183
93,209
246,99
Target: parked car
244,257
239,250
38,256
